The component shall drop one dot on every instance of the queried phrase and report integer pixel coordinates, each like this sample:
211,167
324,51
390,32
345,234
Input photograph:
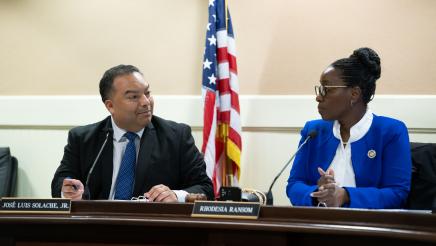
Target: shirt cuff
181,195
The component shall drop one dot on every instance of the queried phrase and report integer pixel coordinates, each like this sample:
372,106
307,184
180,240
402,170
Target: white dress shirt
342,164
120,143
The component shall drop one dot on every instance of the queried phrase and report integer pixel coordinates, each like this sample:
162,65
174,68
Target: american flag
222,125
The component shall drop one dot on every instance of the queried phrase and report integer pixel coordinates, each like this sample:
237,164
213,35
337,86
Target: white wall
36,127
282,45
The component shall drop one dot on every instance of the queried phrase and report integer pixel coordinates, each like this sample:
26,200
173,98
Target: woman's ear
356,94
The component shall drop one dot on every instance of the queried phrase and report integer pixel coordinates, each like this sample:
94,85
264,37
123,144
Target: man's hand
72,189
161,193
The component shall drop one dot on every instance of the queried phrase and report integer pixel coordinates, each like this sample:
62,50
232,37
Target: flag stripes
222,143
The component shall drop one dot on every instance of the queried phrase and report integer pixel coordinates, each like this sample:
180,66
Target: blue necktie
126,174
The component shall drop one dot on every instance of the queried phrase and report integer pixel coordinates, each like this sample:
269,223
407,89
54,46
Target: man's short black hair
107,80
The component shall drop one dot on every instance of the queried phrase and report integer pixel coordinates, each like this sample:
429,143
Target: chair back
423,185
8,173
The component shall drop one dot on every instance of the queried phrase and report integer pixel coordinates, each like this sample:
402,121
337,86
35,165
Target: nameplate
235,210
24,205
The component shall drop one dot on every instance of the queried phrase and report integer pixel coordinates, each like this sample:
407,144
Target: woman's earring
351,103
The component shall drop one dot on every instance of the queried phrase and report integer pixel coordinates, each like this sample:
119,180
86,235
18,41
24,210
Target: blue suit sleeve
394,186
299,187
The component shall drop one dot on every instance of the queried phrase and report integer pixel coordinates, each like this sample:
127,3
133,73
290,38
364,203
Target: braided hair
361,69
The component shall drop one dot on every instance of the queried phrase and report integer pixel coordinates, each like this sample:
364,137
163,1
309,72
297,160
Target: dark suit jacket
167,155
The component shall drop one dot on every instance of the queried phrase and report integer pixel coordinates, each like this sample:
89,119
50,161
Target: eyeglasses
321,90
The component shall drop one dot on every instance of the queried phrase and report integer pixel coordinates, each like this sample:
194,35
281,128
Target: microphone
269,195
109,131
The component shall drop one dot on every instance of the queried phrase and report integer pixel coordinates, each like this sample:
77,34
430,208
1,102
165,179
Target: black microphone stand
269,195
87,192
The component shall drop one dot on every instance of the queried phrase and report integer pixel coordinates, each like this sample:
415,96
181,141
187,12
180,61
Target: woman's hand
329,193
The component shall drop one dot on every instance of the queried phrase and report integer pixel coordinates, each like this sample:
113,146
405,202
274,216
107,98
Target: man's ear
109,105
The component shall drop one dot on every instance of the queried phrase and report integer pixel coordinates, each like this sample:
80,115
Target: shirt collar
119,132
358,130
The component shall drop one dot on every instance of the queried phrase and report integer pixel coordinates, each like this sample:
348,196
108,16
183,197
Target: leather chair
423,185
8,173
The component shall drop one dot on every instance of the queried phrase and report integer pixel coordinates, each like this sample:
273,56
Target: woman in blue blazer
357,159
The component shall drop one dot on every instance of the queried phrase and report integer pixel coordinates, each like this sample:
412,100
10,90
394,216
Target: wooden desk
133,223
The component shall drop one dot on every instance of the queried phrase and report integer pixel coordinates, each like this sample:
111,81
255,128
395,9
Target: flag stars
211,2
212,79
212,40
208,26
206,64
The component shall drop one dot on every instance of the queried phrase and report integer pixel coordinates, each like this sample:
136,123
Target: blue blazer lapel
366,168
331,145
326,147
322,154
358,159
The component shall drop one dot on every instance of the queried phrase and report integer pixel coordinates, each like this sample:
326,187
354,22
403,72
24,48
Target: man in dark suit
168,166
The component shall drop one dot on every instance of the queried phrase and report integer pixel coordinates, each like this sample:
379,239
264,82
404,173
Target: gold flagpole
225,6
229,164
